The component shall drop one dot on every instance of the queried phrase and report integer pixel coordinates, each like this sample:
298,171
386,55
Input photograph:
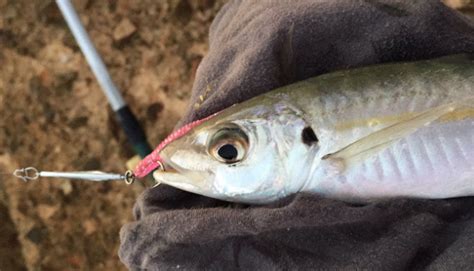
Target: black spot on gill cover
308,136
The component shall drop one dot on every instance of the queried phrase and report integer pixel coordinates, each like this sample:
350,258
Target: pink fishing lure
153,160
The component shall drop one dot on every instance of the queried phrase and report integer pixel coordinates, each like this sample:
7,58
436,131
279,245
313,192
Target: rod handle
134,131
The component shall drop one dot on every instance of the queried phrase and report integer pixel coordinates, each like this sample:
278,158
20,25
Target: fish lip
168,168
184,182
177,176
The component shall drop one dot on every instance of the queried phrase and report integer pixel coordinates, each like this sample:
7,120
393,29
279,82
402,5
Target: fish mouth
194,182
169,169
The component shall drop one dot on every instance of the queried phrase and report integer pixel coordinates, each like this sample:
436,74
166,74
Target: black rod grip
134,132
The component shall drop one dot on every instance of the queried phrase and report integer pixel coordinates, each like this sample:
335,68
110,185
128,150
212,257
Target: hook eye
129,177
26,174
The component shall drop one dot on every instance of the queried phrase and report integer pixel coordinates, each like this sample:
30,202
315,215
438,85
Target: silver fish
394,130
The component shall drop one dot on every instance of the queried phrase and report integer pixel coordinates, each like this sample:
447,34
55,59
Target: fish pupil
228,152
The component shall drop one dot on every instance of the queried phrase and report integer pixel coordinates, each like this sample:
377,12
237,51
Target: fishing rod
125,117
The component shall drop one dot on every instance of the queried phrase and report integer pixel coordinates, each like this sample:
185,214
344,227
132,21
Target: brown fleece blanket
256,46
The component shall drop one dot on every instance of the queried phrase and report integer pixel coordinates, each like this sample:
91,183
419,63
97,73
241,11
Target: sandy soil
54,116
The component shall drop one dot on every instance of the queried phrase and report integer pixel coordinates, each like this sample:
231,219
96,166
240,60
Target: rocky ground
54,116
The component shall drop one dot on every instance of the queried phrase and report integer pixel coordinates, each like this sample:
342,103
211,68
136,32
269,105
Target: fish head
244,154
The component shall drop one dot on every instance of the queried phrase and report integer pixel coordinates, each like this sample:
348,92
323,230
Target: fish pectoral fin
375,142
342,162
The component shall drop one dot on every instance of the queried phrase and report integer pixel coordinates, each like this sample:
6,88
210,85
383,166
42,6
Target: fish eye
228,145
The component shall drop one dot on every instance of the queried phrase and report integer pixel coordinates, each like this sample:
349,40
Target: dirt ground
54,116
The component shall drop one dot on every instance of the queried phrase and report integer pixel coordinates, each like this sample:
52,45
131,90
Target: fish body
393,130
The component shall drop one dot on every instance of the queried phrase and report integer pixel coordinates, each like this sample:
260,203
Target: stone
46,211
90,226
37,235
66,187
124,30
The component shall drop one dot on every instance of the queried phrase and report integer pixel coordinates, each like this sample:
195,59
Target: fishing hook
160,167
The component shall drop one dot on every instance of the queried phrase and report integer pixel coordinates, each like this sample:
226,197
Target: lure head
244,154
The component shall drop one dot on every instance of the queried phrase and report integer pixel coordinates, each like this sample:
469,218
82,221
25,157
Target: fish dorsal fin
373,143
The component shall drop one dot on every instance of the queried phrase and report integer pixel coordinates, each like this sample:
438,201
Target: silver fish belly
436,161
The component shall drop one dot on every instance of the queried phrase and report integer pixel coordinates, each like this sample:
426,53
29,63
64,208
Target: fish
397,130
